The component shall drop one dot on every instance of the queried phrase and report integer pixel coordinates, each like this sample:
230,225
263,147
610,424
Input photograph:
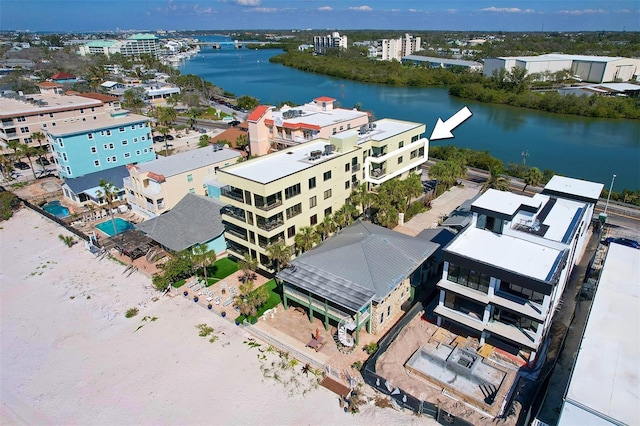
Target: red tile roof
62,76
49,84
97,96
156,176
257,113
324,99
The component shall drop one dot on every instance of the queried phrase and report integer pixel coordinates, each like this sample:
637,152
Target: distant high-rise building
332,41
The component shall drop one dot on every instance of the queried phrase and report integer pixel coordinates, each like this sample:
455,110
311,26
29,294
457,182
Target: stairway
344,338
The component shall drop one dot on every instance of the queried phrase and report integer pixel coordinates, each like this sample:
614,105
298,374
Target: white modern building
135,45
505,273
592,69
331,41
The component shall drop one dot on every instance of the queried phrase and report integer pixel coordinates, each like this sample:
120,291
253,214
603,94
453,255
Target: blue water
586,148
56,209
121,226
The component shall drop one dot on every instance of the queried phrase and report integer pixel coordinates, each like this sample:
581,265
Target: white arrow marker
442,130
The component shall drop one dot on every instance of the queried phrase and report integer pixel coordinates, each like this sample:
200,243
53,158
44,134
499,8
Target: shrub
371,348
67,240
132,312
8,204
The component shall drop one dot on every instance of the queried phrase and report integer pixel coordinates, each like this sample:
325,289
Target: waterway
585,148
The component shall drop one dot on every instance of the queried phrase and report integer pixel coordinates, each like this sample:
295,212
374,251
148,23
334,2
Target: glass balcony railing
268,205
234,212
233,193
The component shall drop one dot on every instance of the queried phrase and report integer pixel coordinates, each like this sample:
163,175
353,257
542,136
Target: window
64,156
133,127
22,119
401,144
294,211
414,154
138,152
522,292
121,129
468,278
313,220
111,146
192,191
292,191
142,138
347,184
489,223
508,317
69,171
28,140
94,150
400,160
327,175
389,311
189,178
327,211
347,167
327,194
415,138
114,159
291,231
108,132
140,125
51,115
124,142
24,129
96,163
90,136
135,140
312,182
127,155
381,317
145,151
313,202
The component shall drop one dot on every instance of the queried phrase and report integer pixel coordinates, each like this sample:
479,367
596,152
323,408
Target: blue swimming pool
56,209
121,226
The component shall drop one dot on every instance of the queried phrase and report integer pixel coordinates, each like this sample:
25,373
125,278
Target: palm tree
38,136
249,265
447,172
306,238
204,257
532,177
411,188
279,253
28,151
164,131
109,193
193,114
495,181
360,196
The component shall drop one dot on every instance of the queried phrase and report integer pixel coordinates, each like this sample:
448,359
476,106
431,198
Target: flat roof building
271,129
505,273
603,388
276,195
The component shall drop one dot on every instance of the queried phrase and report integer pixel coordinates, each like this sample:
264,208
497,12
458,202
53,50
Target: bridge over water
236,44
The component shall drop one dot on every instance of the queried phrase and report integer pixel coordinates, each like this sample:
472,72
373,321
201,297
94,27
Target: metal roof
360,262
187,161
194,220
88,182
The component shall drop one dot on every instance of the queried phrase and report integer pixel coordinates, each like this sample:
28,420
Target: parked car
42,161
623,241
21,165
169,137
234,123
158,138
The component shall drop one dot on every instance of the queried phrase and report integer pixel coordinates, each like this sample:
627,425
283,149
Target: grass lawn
221,269
273,300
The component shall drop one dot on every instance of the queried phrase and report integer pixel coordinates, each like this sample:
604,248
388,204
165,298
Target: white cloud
582,12
251,3
452,11
506,10
264,9
325,9
361,8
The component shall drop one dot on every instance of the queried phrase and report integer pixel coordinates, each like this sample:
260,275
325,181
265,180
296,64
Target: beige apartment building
155,187
272,197
271,129
23,115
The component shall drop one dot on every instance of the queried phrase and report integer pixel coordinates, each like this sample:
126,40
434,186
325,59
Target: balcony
234,212
10,135
6,123
237,232
355,168
233,193
269,225
237,249
378,173
268,203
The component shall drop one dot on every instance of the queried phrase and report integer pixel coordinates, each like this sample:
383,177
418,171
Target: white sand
68,356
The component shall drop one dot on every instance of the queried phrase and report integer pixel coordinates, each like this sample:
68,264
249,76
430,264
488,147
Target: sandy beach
69,356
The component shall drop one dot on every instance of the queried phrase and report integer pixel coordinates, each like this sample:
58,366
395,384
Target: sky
224,15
